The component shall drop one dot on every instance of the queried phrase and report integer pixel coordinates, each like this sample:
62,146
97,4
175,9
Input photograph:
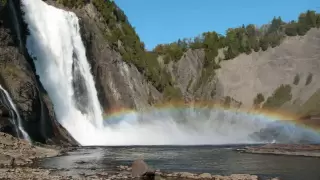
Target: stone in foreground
140,169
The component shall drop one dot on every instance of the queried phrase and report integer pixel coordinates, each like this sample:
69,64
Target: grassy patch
172,93
280,96
227,101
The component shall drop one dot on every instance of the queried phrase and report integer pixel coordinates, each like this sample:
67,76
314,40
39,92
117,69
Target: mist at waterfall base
60,60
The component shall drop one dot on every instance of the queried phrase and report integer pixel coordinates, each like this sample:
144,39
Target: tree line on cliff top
123,38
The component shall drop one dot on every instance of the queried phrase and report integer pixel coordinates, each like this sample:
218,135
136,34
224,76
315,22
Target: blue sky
165,21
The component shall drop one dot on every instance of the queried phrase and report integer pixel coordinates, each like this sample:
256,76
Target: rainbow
272,115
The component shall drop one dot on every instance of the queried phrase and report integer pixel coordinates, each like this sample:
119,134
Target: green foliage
258,99
264,44
3,2
133,50
305,22
318,21
227,101
296,79
172,93
309,79
212,42
245,39
209,41
206,74
72,3
172,51
291,29
281,95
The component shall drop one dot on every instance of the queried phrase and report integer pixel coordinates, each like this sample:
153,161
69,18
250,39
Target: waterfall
60,60
16,119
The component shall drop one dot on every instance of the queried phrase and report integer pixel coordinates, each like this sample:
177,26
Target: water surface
221,160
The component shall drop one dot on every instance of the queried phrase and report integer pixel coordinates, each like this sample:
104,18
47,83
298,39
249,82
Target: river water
223,160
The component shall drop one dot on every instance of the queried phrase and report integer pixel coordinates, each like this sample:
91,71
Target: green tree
264,44
291,29
311,19
274,39
318,21
197,43
303,26
258,99
123,38
276,25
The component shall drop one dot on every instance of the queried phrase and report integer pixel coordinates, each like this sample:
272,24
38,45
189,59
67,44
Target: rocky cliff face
236,83
118,84
18,77
293,63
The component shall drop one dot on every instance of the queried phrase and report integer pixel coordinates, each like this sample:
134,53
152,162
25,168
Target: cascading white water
16,119
60,61
59,57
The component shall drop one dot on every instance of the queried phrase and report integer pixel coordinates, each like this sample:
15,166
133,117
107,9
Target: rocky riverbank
18,161
140,169
285,149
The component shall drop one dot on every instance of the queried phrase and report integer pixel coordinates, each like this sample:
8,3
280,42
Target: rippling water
221,160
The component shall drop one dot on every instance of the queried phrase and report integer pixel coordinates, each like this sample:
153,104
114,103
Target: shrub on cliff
305,22
3,2
296,79
280,96
133,50
258,99
172,93
309,79
72,3
244,39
